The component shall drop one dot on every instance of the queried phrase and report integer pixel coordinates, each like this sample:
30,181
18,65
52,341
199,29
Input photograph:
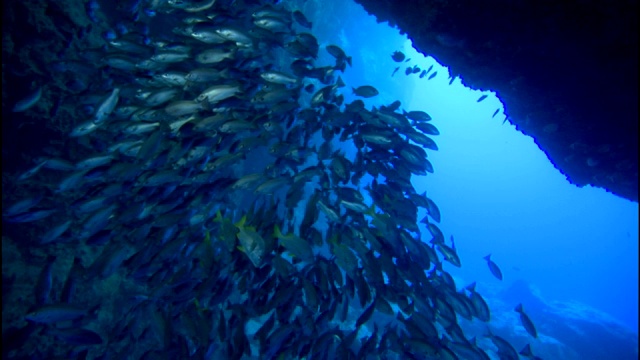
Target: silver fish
218,93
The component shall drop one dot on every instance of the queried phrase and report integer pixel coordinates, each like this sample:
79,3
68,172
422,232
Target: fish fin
471,287
276,232
371,211
489,333
241,222
206,105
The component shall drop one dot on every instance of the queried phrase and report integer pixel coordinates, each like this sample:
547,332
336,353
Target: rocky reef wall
567,72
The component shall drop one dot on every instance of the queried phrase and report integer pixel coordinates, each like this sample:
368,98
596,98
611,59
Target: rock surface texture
567,72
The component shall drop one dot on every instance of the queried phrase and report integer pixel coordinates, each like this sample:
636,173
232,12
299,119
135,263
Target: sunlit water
497,191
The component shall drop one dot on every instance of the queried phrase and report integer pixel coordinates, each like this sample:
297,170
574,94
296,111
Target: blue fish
526,321
495,270
31,216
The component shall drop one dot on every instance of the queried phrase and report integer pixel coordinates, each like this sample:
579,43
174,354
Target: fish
45,281
209,166
214,55
433,211
468,350
505,349
495,113
169,57
449,253
301,19
93,162
59,164
160,97
247,181
526,321
29,101
191,7
397,56
69,288
427,128
272,24
297,246
30,216
418,116
366,314
345,258
495,270
55,232
54,313
217,93
84,129
23,205
422,139
480,307
339,54
481,98
75,335
331,213
279,78
179,108
365,91
236,35
432,75
271,185
253,245
34,170
527,352
106,107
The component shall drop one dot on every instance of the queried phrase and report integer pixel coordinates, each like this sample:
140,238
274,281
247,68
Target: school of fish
207,205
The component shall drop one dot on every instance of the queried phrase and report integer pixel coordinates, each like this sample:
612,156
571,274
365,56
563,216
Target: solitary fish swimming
397,56
495,270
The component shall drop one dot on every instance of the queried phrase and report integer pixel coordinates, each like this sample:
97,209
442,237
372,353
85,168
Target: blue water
569,255
574,249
